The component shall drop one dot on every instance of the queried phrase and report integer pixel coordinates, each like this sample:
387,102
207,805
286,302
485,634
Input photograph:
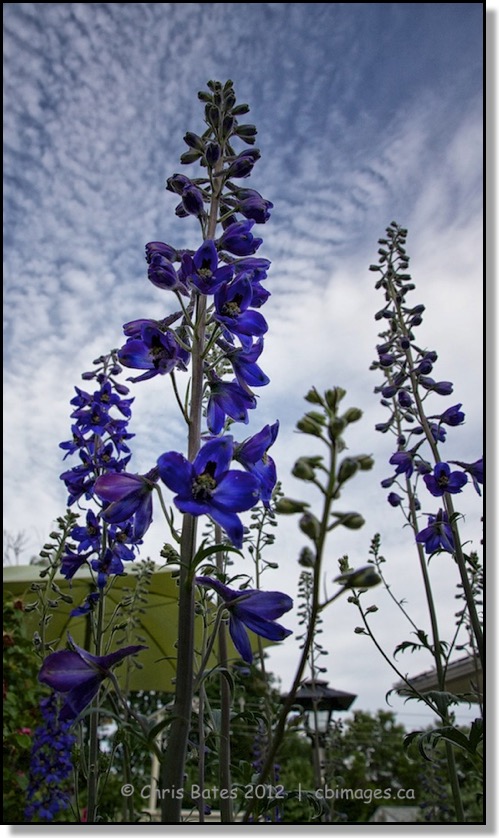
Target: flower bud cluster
327,424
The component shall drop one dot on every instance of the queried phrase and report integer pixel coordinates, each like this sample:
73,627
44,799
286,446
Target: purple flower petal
240,639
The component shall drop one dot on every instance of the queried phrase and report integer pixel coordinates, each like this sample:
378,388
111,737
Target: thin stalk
314,612
225,777
93,748
201,759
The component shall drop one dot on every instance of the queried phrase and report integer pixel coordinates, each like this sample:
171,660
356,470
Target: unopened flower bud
348,467
365,461
310,526
350,520
336,428
334,396
364,577
303,470
193,141
353,414
212,153
288,506
308,425
307,558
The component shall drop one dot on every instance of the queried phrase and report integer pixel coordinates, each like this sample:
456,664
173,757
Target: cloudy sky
366,113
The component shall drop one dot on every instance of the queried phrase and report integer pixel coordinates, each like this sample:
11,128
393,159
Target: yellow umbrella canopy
146,614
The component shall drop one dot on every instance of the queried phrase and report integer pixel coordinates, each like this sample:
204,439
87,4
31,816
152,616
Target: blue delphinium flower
475,470
243,360
243,163
232,301
252,205
239,240
79,675
156,352
438,534
452,416
51,767
255,269
208,487
227,398
129,496
89,536
253,455
201,270
252,609
88,605
443,480
404,462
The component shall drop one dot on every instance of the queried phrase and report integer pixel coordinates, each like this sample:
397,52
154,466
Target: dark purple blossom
443,480
78,675
239,240
87,605
192,201
128,495
452,416
78,441
71,562
438,534
243,164
243,360
201,270
227,398
438,433
177,183
89,536
475,470
163,249
255,269
232,303
163,275
253,455
107,564
252,205
443,388
404,462
207,486
251,609
404,398
79,480
394,499
156,352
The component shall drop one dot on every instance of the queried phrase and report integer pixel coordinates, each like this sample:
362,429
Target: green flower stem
314,613
201,751
93,748
225,706
178,399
